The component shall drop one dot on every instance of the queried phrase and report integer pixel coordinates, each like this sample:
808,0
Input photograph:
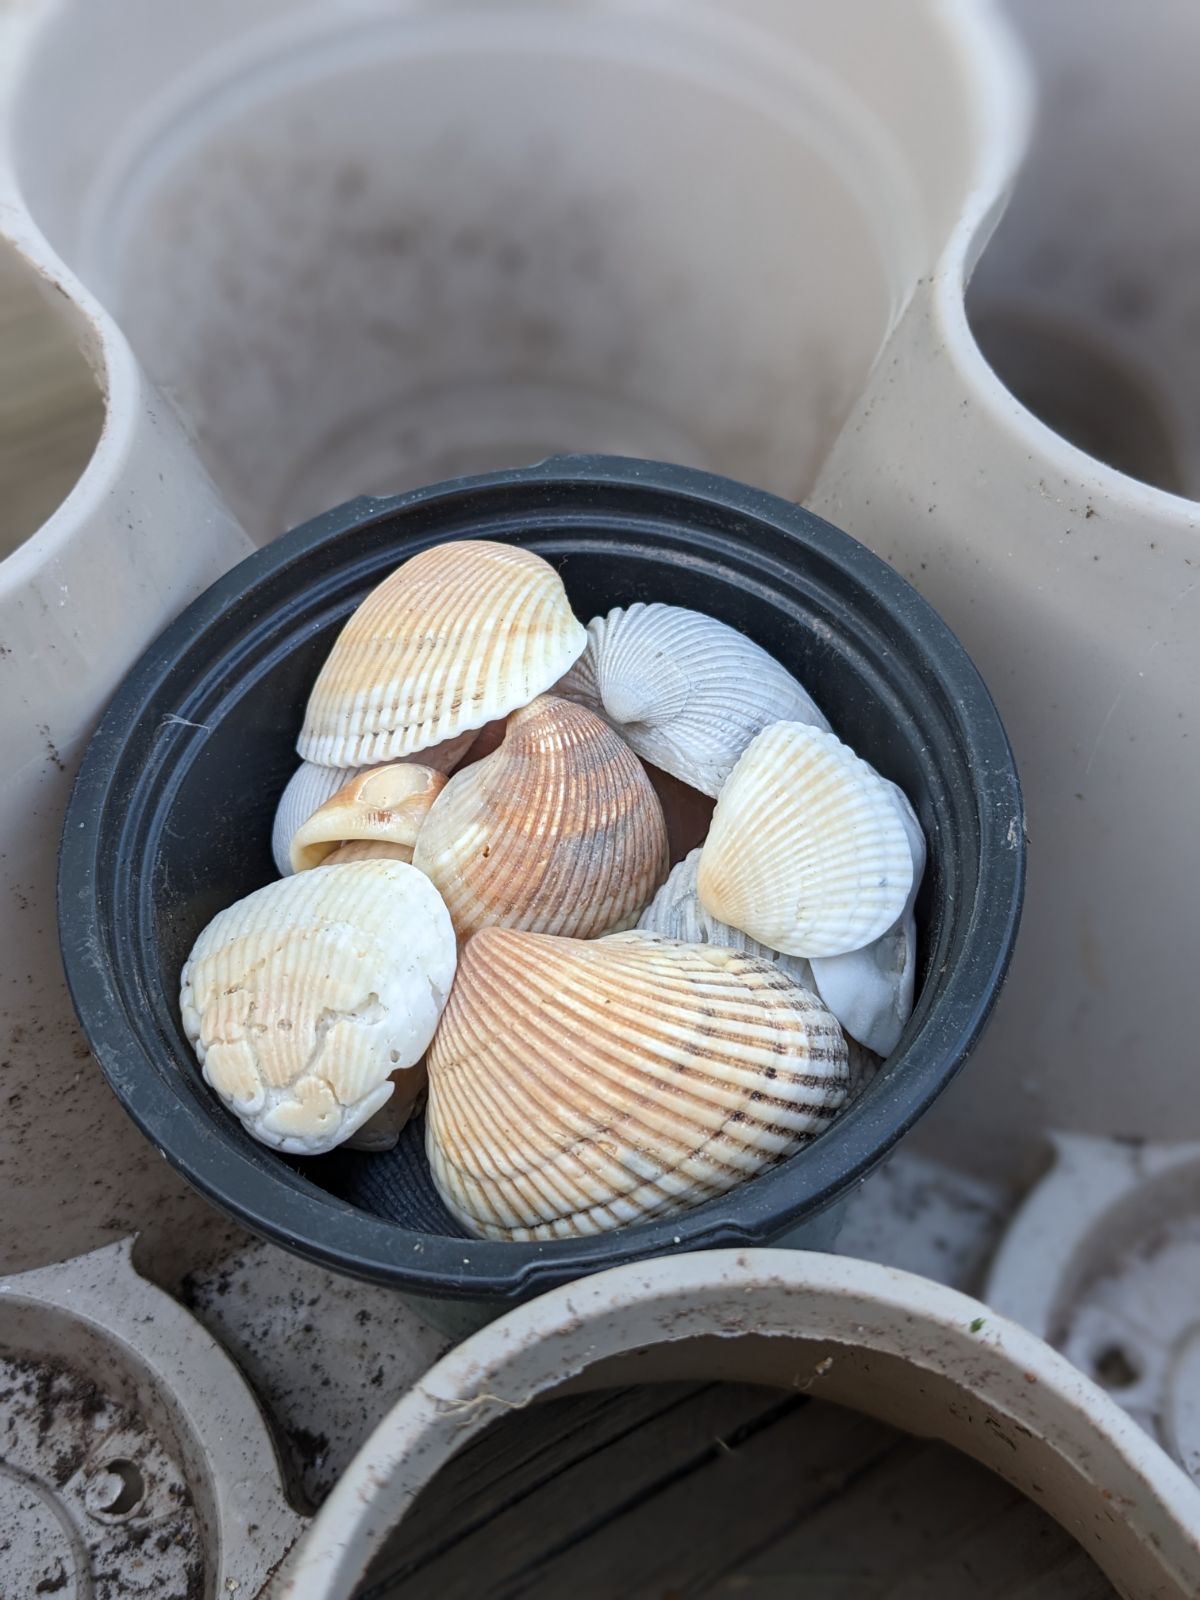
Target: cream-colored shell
676,913
557,831
383,805
310,786
686,691
870,991
807,851
302,999
460,634
579,1085
367,850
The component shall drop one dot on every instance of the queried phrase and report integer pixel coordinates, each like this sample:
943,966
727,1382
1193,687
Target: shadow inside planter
51,406
719,1489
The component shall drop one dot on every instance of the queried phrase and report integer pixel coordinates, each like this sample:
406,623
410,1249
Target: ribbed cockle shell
576,1086
676,913
460,634
304,998
807,851
383,805
686,691
557,831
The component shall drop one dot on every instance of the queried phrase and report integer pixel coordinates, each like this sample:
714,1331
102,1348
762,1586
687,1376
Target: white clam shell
383,805
310,786
579,1085
686,691
808,851
870,991
676,913
304,998
460,634
558,831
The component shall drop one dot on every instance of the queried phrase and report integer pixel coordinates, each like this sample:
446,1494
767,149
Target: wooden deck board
717,1492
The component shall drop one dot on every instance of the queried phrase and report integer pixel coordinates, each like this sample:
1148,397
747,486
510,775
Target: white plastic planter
1076,589
147,1453
897,1347
140,533
370,245
1103,1260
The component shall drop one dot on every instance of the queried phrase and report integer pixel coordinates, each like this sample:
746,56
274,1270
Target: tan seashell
310,786
687,692
807,852
676,913
576,1086
383,805
367,850
302,999
558,831
458,635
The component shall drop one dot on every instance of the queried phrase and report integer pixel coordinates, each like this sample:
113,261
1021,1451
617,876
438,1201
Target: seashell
676,913
686,691
302,999
383,805
382,1131
870,991
863,1066
807,851
458,635
367,850
579,1085
310,786
558,831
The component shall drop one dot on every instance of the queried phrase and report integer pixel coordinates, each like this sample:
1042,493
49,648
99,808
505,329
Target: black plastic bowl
171,816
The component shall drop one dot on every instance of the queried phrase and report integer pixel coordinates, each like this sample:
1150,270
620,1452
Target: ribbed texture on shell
302,999
310,786
676,913
576,1086
870,991
687,692
384,804
458,635
557,831
807,851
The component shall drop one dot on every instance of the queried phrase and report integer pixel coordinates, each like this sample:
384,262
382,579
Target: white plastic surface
371,245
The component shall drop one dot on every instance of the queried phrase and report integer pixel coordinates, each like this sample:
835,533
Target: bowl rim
317,1224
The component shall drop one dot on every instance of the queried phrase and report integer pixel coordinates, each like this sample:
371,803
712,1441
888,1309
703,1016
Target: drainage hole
117,1489
1116,1368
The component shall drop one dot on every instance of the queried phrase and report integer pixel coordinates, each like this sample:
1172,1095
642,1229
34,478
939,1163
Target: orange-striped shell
460,634
579,1085
557,831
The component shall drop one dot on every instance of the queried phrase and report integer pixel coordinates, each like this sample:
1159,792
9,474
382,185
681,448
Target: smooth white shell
870,991
460,634
676,913
310,786
687,692
302,999
578,1085
808,851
